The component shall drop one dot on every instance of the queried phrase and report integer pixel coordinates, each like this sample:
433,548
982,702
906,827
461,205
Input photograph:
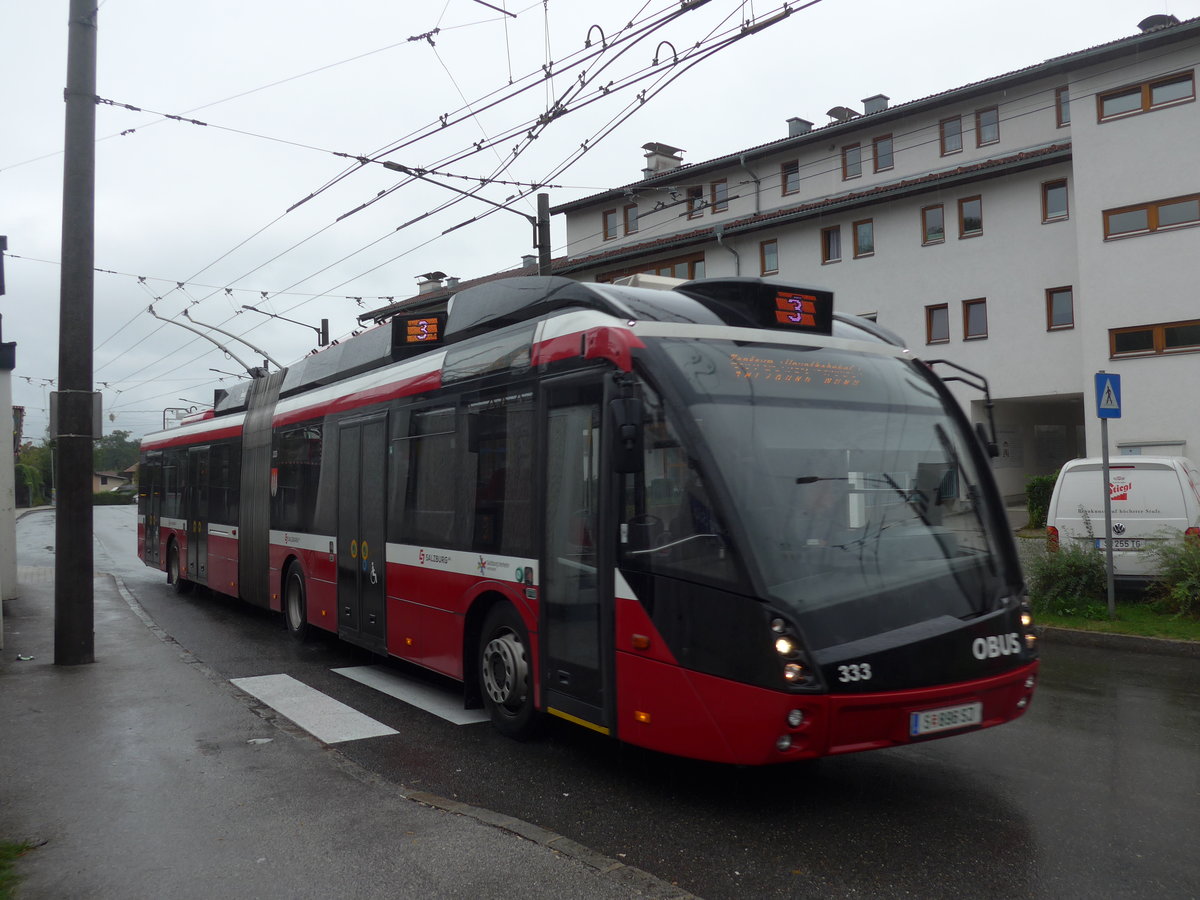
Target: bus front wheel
295,603
504,673
174,573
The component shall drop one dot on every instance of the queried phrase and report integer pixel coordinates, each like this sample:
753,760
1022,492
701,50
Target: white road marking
320,715
444,704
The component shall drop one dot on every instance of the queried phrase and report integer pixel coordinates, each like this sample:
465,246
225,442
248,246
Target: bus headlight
785,646
795,718
793,673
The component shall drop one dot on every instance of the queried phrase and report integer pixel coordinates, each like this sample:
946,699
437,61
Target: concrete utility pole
74,616
8,504
543,233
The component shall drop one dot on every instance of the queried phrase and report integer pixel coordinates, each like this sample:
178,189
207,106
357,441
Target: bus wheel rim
505,671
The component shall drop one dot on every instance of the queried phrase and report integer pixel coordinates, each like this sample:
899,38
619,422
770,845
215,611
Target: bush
1069,582
1176,590
113,498
1038,489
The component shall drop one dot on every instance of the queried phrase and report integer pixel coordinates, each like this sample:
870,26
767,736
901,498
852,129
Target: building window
1054,201
610,224
937,324
884,155
974,320
987,126
970,217
831,244
718,195
1148,217
864,238
1060,309
933,225
951,132
695,202
1062,107
631,218
1140,98
790,177
1155,340
768,257
851,161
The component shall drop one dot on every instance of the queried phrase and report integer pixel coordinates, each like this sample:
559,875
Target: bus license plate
931,721
1121,543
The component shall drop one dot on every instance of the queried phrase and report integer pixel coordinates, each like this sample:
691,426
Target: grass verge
8,878
1133,617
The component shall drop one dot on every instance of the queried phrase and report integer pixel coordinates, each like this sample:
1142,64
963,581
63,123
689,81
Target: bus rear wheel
504,673
174,573
295,603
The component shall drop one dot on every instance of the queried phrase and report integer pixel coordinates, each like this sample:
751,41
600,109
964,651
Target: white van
1154,498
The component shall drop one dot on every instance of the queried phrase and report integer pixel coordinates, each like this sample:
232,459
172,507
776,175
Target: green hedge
1038,489
113,498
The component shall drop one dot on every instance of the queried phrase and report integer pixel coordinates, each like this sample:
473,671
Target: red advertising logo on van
1119,491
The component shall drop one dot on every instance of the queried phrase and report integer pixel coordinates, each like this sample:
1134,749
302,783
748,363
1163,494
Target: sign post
1108,406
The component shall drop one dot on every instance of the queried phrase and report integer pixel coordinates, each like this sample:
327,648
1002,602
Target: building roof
1092,55
1004,165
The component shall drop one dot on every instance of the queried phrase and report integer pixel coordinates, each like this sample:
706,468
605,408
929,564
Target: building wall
1041,379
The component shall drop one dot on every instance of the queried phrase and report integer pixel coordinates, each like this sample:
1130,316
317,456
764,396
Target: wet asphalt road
1094,793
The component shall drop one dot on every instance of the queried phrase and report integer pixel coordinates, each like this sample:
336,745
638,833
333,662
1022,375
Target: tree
116,452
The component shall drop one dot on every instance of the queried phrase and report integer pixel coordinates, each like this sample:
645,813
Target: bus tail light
1027,629
1051,538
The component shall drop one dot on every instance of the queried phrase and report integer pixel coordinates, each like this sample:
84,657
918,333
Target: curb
1129,642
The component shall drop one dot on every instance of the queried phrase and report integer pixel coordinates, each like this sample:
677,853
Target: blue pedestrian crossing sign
1108,395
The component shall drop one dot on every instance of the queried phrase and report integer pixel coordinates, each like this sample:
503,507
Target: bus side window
502,439
433,478
298,467
670,523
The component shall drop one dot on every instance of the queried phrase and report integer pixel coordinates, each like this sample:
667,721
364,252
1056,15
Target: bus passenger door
577,560
197,515
361,531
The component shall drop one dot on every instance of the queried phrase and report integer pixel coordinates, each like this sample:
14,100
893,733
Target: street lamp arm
322,332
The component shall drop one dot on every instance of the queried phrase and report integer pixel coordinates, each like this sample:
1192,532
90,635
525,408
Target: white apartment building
1037,227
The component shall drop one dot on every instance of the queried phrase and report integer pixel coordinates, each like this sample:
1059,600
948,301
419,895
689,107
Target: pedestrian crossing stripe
326,719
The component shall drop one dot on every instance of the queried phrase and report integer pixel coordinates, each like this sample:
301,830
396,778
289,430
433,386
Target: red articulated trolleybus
719,521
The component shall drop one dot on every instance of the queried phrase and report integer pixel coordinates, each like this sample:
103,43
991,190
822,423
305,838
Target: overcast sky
198,216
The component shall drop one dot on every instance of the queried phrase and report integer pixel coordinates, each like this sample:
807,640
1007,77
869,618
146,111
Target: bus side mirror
625,434
985,440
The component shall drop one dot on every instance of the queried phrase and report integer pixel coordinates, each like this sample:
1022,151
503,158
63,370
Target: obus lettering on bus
996,645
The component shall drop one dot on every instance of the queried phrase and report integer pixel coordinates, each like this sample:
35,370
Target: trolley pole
74,615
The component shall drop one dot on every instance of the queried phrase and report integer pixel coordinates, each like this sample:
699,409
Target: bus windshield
855,492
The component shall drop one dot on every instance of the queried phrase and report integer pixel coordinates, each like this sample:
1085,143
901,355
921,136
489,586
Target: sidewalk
144,776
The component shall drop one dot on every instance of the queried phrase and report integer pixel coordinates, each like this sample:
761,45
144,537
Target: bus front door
150,489
197,515
576,579
362,534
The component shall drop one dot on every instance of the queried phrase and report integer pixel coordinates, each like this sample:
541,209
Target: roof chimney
529,261
875,104
842,113
451,283
798,126
661,158
430,282
1153,23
